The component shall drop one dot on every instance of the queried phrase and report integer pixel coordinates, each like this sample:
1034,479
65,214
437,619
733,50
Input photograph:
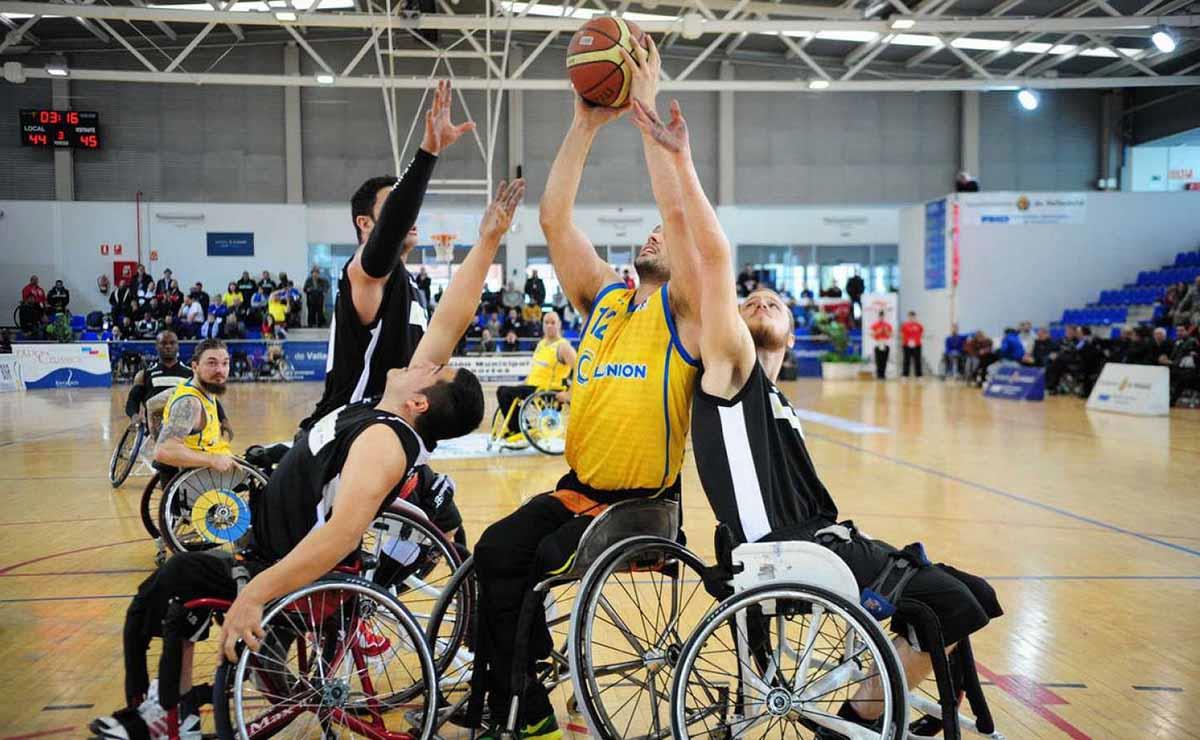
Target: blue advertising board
935,245
308,359
230,244
1016,382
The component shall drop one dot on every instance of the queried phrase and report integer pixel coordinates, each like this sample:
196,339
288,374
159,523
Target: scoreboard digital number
60,128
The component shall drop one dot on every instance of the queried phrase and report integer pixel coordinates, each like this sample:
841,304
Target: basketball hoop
443,247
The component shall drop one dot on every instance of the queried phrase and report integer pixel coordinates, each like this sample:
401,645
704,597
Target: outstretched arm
456,310
725,342
403,204
580,270
374,466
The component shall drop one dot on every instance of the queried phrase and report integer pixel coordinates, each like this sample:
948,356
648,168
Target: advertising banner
935,245
307,359
64,365
1143,390
10,375
230,244
508,368
1007,209
1016,382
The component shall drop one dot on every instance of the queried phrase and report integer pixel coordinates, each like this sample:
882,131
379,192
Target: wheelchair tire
305,668
181,494
125,455
451,638
543,421
151,496
780,703
653,567
495,438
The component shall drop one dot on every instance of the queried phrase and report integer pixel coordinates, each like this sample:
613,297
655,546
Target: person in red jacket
910,336
34,291
881,332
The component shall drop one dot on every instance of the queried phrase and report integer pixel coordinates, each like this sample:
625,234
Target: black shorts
185,576
964,603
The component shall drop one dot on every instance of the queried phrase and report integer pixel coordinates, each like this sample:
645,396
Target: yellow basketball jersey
545,370
209,438
632,398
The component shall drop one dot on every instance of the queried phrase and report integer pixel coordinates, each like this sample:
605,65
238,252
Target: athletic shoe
547,729
150,721
516,441
371,642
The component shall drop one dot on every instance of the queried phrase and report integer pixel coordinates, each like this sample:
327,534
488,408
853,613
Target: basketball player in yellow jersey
192,436
551,365
631,401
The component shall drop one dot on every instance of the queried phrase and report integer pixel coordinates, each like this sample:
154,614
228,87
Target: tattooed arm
185,415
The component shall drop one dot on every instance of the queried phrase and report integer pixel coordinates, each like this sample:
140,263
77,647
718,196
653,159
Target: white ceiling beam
924,54
1131,59
780,86
234,28
1097,24
163,28
14,36
312,53
798,50
128,46
190,47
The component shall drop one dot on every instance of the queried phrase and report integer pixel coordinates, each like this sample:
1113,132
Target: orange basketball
594,63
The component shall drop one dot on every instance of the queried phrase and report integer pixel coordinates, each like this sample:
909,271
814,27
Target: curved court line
1005,494
51,556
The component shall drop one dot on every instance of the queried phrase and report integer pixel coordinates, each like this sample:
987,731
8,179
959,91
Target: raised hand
646,67
440,132
672,136
499,214
594,116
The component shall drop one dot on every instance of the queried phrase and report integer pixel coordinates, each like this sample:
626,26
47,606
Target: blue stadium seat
78,322
89,336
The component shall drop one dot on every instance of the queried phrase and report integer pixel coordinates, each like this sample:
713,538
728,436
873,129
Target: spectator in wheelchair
549,369
751,454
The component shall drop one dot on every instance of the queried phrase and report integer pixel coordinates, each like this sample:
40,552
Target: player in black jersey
749,445
380,315
159,378
320,500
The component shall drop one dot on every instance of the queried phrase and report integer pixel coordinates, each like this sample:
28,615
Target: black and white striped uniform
300,495
360,355
753,463
160,379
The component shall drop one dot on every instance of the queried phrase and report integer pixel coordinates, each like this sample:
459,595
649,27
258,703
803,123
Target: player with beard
192,435
750,448
637,362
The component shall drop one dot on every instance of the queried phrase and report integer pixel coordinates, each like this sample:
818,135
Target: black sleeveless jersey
300,494
159,378
360,355
753,463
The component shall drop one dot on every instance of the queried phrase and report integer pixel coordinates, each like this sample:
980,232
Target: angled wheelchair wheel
638,604
125,455
151,497
497,429
340,658
202,509
543,421
450,635
778,660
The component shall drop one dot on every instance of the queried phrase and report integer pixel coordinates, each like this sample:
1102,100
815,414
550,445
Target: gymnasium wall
1055,147
1015,272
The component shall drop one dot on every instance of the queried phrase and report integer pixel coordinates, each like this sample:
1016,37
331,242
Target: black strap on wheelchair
717,577
929,632
969,677
483,658
908,561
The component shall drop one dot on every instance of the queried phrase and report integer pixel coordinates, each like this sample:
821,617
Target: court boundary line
1006,494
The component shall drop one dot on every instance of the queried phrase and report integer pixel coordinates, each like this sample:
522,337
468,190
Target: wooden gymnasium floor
1087,524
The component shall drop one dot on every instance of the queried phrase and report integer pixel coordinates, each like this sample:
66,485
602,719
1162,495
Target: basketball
594,63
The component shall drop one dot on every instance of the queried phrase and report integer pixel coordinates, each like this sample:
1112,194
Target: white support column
64,159
969,134
293,158
726,155
527,226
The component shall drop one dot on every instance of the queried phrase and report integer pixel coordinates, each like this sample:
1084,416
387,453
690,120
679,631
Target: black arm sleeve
137,394
397,216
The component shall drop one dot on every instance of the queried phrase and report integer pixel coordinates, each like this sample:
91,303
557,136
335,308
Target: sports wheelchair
132,443
542,419
618,619
341,655
792,641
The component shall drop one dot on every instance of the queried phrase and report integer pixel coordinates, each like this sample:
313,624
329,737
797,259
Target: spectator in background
1025,334
173,298
424,284
1042,347
511,343
33,293
513,322
234,329
1185,363
271,329
1160,348
266,283
170,324
1187,311
833,291
954,355
294,304
493,324
197,293
147,325
628,279
855,287
143,282
211,328
964,183
164,283
315,288
911,333
881,332
511,297
486,342
258,304
30,317
232,297
125,329
985,357
746,282
58,297
5,342
559,301
103,285
535,290
277,306
247,286
191,316
1011,348
531,312
154,310
123,301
